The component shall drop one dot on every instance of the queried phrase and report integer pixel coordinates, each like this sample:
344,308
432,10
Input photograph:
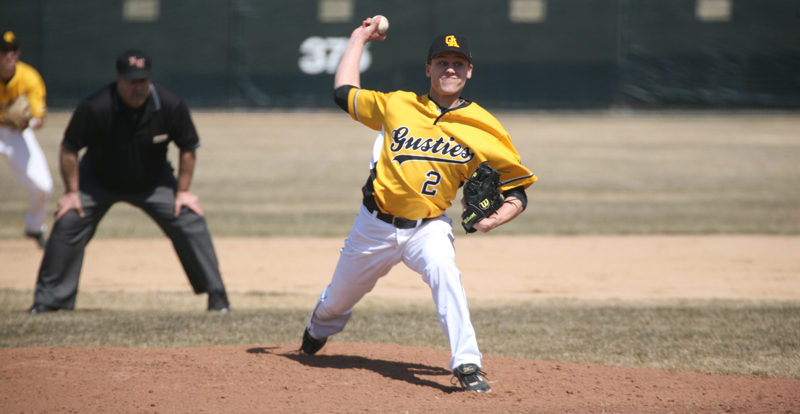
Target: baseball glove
482,196
18,113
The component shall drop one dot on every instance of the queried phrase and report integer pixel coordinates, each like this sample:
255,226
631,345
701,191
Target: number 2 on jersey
434,178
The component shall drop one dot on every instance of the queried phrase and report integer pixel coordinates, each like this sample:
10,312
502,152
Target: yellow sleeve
36,95
368,107
28,82
496,148
504,158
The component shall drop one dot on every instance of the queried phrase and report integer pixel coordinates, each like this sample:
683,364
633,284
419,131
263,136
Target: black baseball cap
450,42
134,65
9,41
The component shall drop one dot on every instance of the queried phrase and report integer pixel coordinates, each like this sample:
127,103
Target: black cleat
39,308
218,302
310,345
37,237
471,378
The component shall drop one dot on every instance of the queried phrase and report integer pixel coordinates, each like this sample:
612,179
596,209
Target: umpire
126,128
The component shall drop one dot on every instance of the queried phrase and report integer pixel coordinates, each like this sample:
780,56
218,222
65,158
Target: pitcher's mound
356,377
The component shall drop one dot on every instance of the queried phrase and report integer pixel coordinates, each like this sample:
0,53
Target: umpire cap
134,65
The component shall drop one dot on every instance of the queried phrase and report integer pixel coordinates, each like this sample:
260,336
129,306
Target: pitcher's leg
370,251
454,318
430,252
327,318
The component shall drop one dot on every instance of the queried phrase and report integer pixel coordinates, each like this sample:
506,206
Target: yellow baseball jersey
26,81
427,152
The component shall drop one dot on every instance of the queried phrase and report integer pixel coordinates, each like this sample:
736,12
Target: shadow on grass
400,371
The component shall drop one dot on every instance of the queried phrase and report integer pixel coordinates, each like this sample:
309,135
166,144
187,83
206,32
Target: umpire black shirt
126,148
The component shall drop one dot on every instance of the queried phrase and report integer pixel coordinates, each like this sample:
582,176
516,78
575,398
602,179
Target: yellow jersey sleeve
503,157
484,134
368,107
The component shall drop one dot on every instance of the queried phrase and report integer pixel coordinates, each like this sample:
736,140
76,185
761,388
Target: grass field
271,174
723,337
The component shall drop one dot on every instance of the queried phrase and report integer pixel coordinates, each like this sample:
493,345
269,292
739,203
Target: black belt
397,221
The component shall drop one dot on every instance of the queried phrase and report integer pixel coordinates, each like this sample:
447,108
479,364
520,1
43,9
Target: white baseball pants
29,164
371,250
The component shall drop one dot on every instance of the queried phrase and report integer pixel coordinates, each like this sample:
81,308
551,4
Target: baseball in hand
383,25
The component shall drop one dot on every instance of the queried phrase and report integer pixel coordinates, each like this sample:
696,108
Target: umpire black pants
57,283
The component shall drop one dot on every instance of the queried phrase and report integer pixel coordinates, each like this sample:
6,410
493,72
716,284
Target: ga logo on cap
9,37
451,41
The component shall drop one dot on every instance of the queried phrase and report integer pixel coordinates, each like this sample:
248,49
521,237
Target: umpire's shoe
310,345
471,378
218,301
39,308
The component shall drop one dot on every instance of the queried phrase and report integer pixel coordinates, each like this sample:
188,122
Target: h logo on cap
134,61
451,41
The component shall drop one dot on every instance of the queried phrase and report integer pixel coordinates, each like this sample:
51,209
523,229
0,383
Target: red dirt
349,378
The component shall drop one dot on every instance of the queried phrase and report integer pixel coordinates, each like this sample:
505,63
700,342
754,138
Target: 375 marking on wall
322,55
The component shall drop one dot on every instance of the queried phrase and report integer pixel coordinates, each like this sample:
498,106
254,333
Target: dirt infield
356,378
348,377
581,267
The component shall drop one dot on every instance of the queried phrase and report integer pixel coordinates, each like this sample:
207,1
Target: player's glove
18,114
482,196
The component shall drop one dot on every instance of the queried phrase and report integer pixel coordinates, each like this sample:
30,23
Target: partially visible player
426,148
18,145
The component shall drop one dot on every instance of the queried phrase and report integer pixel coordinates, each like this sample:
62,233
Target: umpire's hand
67,202
187,199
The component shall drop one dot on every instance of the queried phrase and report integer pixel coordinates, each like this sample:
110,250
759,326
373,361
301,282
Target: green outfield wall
528,54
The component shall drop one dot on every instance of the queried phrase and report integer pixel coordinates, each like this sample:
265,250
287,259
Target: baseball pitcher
427,147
